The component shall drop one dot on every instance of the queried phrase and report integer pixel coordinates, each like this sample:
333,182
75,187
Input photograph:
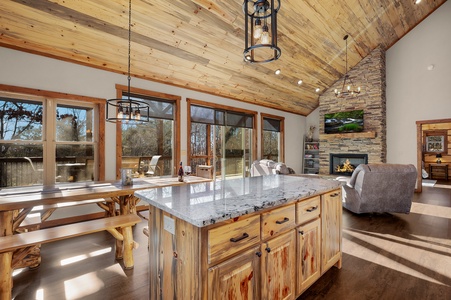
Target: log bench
118,226
52,234
33,218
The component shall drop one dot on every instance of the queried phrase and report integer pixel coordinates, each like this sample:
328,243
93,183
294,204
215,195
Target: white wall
413,92
313,120
38,72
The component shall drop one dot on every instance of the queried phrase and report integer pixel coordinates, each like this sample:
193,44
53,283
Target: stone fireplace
345,163
369,73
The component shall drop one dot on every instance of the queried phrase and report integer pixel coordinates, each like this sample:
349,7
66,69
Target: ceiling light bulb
417,1
299,82
265,37
258,30
317,90
120,112
349,87
277,72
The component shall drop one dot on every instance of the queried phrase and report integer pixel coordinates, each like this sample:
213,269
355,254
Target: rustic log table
17,203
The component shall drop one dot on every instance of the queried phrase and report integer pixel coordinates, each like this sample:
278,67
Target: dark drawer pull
313,208
234,240
283,221
334,195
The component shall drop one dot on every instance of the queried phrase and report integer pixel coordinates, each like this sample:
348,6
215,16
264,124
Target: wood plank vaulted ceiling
199,44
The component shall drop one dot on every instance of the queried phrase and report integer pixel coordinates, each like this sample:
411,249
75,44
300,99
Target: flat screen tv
344,122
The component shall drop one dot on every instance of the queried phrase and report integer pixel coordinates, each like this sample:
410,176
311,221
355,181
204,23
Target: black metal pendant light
260,44
348,89
128,109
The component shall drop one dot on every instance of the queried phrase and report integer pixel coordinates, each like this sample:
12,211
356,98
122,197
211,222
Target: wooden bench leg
6,272
120,246
129,245
6,276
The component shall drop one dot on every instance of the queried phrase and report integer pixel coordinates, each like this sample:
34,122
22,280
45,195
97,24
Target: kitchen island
265,237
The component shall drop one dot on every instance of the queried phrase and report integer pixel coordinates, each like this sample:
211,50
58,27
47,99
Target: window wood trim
176,147
282,134
100,102
191,101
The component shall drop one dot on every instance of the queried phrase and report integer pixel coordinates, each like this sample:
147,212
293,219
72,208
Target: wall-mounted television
343,122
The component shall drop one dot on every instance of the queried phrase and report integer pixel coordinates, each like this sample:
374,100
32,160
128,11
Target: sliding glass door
222,139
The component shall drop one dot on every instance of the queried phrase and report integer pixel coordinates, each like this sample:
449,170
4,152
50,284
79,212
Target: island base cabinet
235,259
237,278
309,254
278,267
331,222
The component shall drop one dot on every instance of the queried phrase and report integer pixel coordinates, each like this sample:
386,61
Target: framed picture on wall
435,141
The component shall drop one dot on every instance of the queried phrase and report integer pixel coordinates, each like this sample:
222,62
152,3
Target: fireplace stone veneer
369,73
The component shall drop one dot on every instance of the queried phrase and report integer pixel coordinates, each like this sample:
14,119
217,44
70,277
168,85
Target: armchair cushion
380,188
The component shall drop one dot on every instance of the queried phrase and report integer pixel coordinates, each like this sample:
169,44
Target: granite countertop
206,203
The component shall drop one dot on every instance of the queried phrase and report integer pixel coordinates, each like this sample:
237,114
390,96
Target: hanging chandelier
260,44
348,88
128,109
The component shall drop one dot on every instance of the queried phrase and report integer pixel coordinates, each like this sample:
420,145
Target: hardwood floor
399,256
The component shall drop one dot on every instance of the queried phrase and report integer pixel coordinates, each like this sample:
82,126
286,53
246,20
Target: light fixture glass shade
260,43
127,110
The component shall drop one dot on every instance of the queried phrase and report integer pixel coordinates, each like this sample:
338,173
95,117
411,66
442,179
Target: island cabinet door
308,254
237,277
278,267
331,209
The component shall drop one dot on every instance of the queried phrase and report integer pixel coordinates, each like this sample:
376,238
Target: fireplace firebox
345,163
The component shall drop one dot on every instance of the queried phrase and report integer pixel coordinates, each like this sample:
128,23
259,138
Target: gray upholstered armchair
378,188
268,167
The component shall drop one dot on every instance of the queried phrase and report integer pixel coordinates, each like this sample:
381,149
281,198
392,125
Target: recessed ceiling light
277,72
416,1
299,81
317,90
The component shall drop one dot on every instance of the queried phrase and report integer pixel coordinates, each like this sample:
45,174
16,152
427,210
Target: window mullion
49,155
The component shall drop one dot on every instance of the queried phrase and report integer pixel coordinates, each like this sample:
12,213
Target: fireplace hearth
345,163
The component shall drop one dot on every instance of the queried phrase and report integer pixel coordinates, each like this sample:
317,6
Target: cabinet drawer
278,220
308,209
228,239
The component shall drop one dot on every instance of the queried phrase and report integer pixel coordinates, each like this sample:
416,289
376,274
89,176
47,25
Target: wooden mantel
351,135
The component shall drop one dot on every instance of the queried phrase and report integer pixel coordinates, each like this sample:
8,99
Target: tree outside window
68,140
141,141
272,137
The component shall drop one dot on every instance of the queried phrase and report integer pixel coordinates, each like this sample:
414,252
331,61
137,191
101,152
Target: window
46,140
142,141
222,137
272,138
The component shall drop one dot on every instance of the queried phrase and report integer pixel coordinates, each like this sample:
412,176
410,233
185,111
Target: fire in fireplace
345,163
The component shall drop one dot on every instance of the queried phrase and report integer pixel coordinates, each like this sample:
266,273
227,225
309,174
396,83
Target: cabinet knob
301,232
283,221
234,240
268,249
258,253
